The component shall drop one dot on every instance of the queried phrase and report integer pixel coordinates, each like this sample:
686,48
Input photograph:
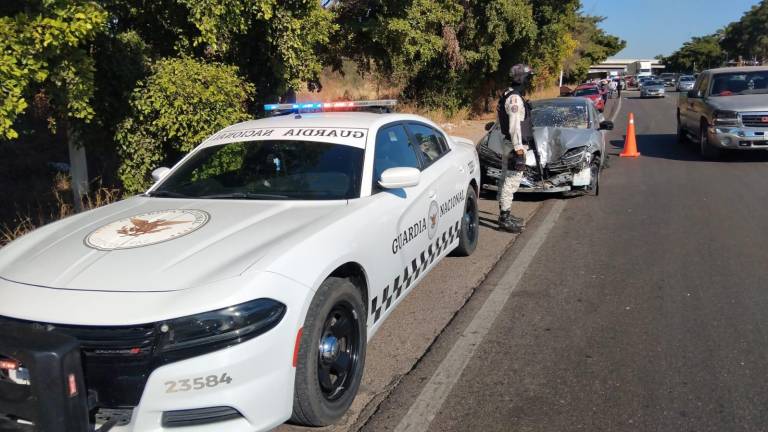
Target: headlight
730,118
210,331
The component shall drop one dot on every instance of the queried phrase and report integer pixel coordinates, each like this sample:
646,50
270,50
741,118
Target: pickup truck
727,109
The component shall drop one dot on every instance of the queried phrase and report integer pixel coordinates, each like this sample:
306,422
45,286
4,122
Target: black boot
506,223
518,220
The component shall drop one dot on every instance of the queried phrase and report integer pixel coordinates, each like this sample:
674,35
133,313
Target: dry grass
349,84
545,93
23,224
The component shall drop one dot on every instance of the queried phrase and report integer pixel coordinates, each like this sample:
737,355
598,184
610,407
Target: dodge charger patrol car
241,289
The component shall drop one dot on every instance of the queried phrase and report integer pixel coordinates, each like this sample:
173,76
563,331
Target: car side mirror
693,94
489,125
400,177
159,173
606,125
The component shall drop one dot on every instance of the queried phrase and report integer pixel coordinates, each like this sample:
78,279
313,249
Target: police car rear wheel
331,355
469,232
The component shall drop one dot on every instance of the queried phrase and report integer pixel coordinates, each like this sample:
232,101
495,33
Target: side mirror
489,125
159,173
693,94
399,177
606,125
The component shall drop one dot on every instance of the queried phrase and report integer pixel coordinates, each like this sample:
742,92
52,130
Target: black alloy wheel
331,355
469,230
338,351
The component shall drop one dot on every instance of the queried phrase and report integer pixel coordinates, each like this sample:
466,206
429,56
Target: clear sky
653,27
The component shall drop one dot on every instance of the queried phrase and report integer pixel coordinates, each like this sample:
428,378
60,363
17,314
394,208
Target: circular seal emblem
433,217
146,229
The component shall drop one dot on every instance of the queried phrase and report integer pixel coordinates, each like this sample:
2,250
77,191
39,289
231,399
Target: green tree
45,49
697,54
594,46
179,105
748,37
442,52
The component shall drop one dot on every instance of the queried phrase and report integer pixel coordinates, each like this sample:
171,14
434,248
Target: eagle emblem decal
146,229
143,226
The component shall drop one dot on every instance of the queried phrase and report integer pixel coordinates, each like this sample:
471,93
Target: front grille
116,360
755,120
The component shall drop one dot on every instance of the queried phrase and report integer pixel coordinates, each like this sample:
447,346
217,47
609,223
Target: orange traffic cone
630,143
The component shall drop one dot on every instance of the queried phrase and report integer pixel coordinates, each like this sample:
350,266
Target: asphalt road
643,309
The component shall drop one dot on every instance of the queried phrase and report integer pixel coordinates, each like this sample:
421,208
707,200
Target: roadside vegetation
138,84
739,43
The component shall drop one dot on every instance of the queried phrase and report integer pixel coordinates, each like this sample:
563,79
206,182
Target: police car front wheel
331,354
469,232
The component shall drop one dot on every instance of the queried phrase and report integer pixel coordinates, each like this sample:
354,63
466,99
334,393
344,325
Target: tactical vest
501,113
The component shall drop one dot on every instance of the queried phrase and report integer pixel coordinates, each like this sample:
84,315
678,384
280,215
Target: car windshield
268,170
654,83
687,78
560,115
729,84
586,92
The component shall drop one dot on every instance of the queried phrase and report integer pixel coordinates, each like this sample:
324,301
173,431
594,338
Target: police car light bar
331,105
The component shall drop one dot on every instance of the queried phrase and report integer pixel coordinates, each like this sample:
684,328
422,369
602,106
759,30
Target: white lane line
432,397
616,112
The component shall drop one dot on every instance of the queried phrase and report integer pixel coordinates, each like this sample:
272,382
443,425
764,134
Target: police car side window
393,149
430,143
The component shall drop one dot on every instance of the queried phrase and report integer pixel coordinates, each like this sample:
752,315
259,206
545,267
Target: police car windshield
268,170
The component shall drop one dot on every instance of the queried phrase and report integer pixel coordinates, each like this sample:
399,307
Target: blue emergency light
331,106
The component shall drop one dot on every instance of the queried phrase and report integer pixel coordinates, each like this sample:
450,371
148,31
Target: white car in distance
241,289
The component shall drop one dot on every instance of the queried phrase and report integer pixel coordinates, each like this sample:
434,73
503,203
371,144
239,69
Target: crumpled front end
565,155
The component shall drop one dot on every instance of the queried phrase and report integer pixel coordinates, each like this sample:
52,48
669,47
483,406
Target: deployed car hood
158,244
553,142
752,102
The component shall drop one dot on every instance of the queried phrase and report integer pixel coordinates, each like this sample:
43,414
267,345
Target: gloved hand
519,164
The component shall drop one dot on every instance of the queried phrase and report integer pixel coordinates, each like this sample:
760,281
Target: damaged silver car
568,154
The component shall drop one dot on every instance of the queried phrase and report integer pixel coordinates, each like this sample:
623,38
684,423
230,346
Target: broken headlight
572,158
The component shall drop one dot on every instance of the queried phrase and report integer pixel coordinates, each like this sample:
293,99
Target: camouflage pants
510,183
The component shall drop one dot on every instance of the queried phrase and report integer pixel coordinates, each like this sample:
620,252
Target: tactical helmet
519,74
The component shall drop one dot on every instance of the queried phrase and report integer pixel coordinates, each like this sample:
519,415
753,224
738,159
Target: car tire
682,137
594,166
333,338
707,150
469,231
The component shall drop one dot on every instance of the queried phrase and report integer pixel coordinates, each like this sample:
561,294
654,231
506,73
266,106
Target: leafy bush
180,104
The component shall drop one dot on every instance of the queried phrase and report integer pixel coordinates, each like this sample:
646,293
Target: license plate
493,172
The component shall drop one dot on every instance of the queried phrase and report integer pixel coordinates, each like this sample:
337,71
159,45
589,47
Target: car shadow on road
665,146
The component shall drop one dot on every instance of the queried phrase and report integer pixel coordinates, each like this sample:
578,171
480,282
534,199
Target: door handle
432,194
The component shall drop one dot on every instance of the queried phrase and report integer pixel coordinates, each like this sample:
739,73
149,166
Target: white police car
242,288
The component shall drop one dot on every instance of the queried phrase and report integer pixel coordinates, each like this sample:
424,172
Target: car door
402,215
445,177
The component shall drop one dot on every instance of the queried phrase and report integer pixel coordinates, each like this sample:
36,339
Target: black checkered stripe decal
412,272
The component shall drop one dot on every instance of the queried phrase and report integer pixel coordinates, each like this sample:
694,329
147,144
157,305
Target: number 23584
199,383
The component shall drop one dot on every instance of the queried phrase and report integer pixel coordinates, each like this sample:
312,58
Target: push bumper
41,382
739,138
